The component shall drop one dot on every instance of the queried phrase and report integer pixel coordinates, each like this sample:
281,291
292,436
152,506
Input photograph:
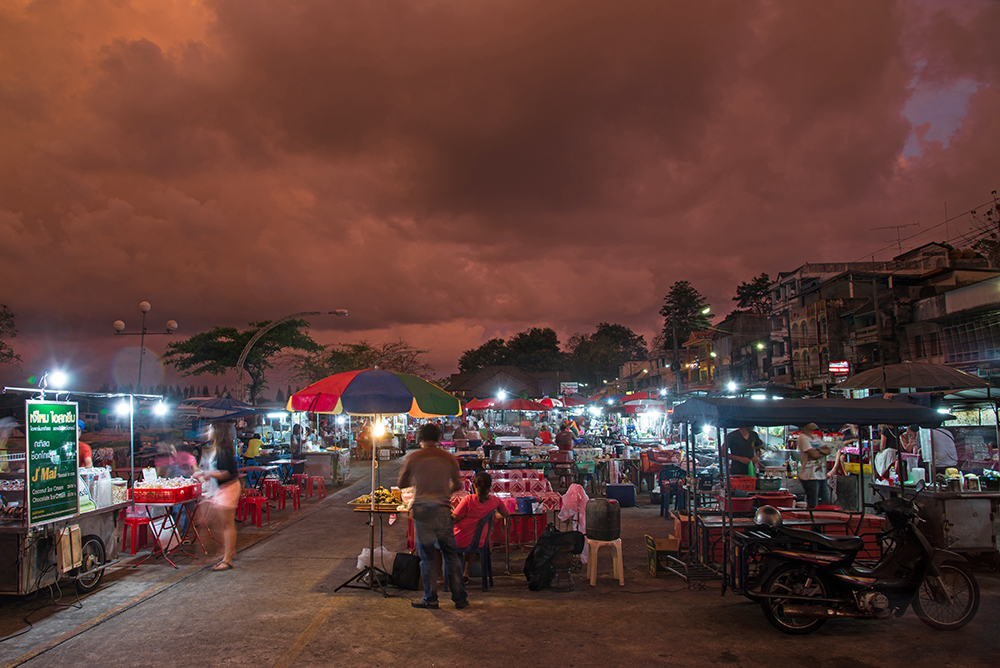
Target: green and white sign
52,460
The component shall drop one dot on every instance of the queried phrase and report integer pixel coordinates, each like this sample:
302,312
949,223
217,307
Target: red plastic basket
743,482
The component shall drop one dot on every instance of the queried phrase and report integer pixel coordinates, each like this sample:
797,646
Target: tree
600,355
339,357
217,351
492,353
536,349
683,307
8,329
755,296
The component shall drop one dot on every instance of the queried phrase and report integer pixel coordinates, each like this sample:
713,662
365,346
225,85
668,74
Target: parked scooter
804,578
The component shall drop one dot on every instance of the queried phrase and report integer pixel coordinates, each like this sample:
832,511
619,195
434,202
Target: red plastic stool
257,505
319,483
295,492
272,488
138,540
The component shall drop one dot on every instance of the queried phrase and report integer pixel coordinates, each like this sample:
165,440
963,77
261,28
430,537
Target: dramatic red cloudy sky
452,170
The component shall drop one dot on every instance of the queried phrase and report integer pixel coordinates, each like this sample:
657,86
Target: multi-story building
857,312
742,349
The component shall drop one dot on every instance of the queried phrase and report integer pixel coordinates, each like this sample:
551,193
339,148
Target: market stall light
502,395
706,428
122,408
945,411
275,416
341,420
58,379
379,429
731,386
758,397
160,409
595,410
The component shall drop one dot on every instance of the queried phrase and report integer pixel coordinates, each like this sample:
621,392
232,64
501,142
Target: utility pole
675,366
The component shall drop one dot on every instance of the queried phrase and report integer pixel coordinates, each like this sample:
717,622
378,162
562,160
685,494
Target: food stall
58,520
723,414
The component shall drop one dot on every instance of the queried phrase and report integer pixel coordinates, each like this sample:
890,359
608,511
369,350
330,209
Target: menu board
51,491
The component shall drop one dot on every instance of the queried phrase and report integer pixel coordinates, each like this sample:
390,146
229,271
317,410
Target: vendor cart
51,527
960,521
724,414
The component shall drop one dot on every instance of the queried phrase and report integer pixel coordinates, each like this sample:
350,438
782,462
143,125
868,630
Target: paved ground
278,608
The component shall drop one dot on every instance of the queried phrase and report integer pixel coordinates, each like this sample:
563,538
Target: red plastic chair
138,540
319,482
290,490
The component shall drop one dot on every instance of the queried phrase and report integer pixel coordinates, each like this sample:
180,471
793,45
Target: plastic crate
743,482
768,484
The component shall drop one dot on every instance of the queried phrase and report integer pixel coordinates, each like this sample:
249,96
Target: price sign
51,491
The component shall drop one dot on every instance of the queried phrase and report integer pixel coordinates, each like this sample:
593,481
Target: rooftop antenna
899,238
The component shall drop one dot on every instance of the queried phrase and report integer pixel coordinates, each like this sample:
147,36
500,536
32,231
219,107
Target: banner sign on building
569,388
840,368
51,492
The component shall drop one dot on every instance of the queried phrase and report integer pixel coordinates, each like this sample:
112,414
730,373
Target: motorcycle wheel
796,580
952,607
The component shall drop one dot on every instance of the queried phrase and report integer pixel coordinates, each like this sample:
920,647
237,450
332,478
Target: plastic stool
592,547
257,505
272,488
319,482
296,493
134,523
302,480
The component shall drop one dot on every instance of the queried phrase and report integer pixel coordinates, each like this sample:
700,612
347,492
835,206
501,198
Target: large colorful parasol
375,392
519,405
480,404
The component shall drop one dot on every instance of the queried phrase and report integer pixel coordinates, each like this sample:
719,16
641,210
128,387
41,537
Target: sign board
51,491
840,368
569,388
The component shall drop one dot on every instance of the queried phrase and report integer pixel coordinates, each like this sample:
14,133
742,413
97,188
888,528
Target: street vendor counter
29,556
963,522
326,463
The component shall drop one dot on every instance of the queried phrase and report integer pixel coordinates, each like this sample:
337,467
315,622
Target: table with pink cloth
513,474
521,531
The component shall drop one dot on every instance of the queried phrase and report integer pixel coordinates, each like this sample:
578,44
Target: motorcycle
802,578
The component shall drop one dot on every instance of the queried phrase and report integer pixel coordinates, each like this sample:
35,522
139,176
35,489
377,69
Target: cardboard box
657,550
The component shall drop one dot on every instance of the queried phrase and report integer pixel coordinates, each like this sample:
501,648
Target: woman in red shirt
470,510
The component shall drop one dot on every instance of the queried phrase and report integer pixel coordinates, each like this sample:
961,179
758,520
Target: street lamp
340,312
119,326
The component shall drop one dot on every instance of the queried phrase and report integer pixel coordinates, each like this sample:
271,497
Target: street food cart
52,526
724,414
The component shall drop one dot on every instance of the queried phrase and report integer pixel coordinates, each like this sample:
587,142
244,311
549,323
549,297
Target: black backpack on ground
405,571
538,568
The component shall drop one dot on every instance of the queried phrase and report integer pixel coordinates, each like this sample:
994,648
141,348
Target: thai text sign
840,368
569,388
52,460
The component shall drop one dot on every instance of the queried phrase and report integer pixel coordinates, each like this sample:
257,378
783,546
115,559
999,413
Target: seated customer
470,511
545,435
252,450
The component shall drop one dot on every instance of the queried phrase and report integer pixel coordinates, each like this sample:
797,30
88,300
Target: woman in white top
812,471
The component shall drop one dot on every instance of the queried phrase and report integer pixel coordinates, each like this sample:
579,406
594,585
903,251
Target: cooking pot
499,456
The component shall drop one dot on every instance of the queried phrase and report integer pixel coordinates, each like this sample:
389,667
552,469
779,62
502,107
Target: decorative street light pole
240,370
119,326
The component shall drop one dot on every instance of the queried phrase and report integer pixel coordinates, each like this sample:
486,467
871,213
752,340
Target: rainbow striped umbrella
375,392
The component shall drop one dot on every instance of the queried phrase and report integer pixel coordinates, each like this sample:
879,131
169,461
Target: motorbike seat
840,543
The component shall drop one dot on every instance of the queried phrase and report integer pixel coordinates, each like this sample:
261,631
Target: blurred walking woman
218,463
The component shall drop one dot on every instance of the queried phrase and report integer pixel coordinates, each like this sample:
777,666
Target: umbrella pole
370,570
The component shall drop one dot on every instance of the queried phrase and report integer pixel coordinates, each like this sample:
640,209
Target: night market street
277,608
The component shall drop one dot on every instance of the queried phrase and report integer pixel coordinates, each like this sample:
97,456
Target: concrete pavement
278,608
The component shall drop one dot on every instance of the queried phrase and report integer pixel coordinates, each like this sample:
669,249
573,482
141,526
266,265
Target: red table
168,523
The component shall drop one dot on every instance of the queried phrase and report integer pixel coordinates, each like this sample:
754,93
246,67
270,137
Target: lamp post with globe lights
119,326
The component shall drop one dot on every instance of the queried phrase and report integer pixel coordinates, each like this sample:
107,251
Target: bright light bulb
706,428
122,408
945,411
731,386
341,420
160,409
58,379
502,395
379,429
